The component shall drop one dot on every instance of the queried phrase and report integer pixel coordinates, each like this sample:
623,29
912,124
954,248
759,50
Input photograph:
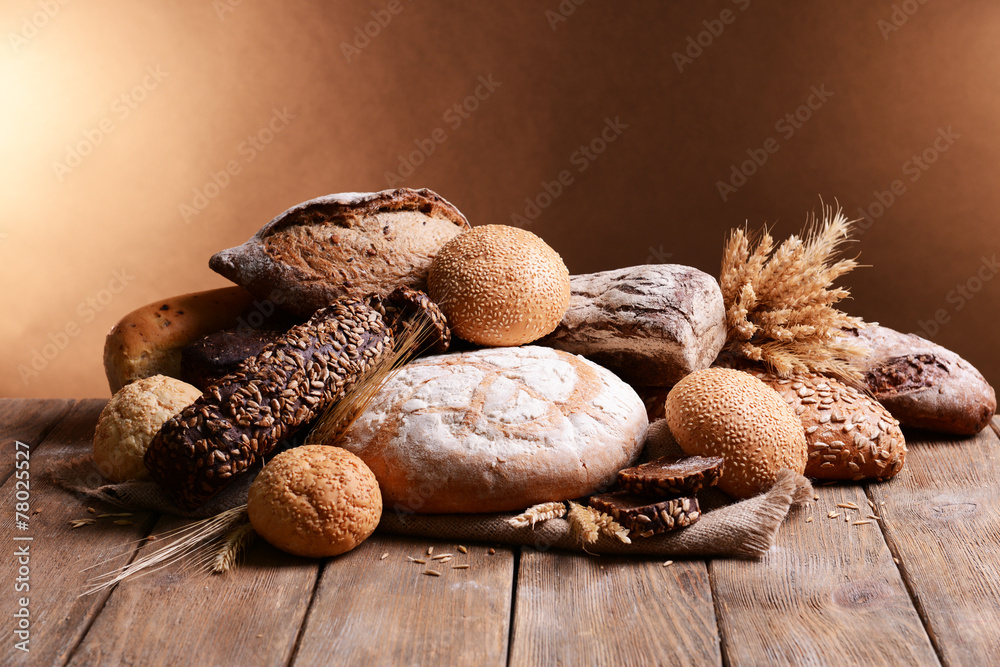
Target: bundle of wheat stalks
780,301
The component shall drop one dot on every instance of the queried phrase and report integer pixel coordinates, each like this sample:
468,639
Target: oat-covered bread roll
497,429
343,245
315,501
130,420
849,435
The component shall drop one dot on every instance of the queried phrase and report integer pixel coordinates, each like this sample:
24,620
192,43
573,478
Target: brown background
650,196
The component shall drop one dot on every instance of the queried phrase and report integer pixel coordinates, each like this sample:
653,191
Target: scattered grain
432,573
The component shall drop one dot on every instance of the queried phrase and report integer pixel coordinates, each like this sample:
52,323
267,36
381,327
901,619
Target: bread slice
349,244
644,518
671,476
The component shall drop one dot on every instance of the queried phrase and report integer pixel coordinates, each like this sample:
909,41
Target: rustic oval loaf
924,384
849,435
343,245
650,324
496,430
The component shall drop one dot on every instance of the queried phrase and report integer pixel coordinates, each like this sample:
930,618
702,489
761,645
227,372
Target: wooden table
919,586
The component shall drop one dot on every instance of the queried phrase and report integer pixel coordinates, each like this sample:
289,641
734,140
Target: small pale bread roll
315,501
130,420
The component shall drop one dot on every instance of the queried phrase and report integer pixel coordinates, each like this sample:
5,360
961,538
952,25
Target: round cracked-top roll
245,414
496,430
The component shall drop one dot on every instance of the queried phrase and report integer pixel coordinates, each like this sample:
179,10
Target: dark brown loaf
243,416
923,384
407,309
210,358
645,519
671,476
343,245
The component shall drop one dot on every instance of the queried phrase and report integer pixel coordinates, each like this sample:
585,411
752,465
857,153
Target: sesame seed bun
500,286
732,414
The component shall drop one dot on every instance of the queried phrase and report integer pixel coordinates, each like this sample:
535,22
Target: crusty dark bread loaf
243,416
651,325
344,245
924,384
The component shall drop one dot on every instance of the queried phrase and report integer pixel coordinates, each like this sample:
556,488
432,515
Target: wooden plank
576,609
828,593
180,616
373,611
27,420
942,520
58,553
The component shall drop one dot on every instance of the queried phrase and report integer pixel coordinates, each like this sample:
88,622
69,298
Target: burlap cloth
744,529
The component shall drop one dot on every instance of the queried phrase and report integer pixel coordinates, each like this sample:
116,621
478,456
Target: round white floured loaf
496,430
